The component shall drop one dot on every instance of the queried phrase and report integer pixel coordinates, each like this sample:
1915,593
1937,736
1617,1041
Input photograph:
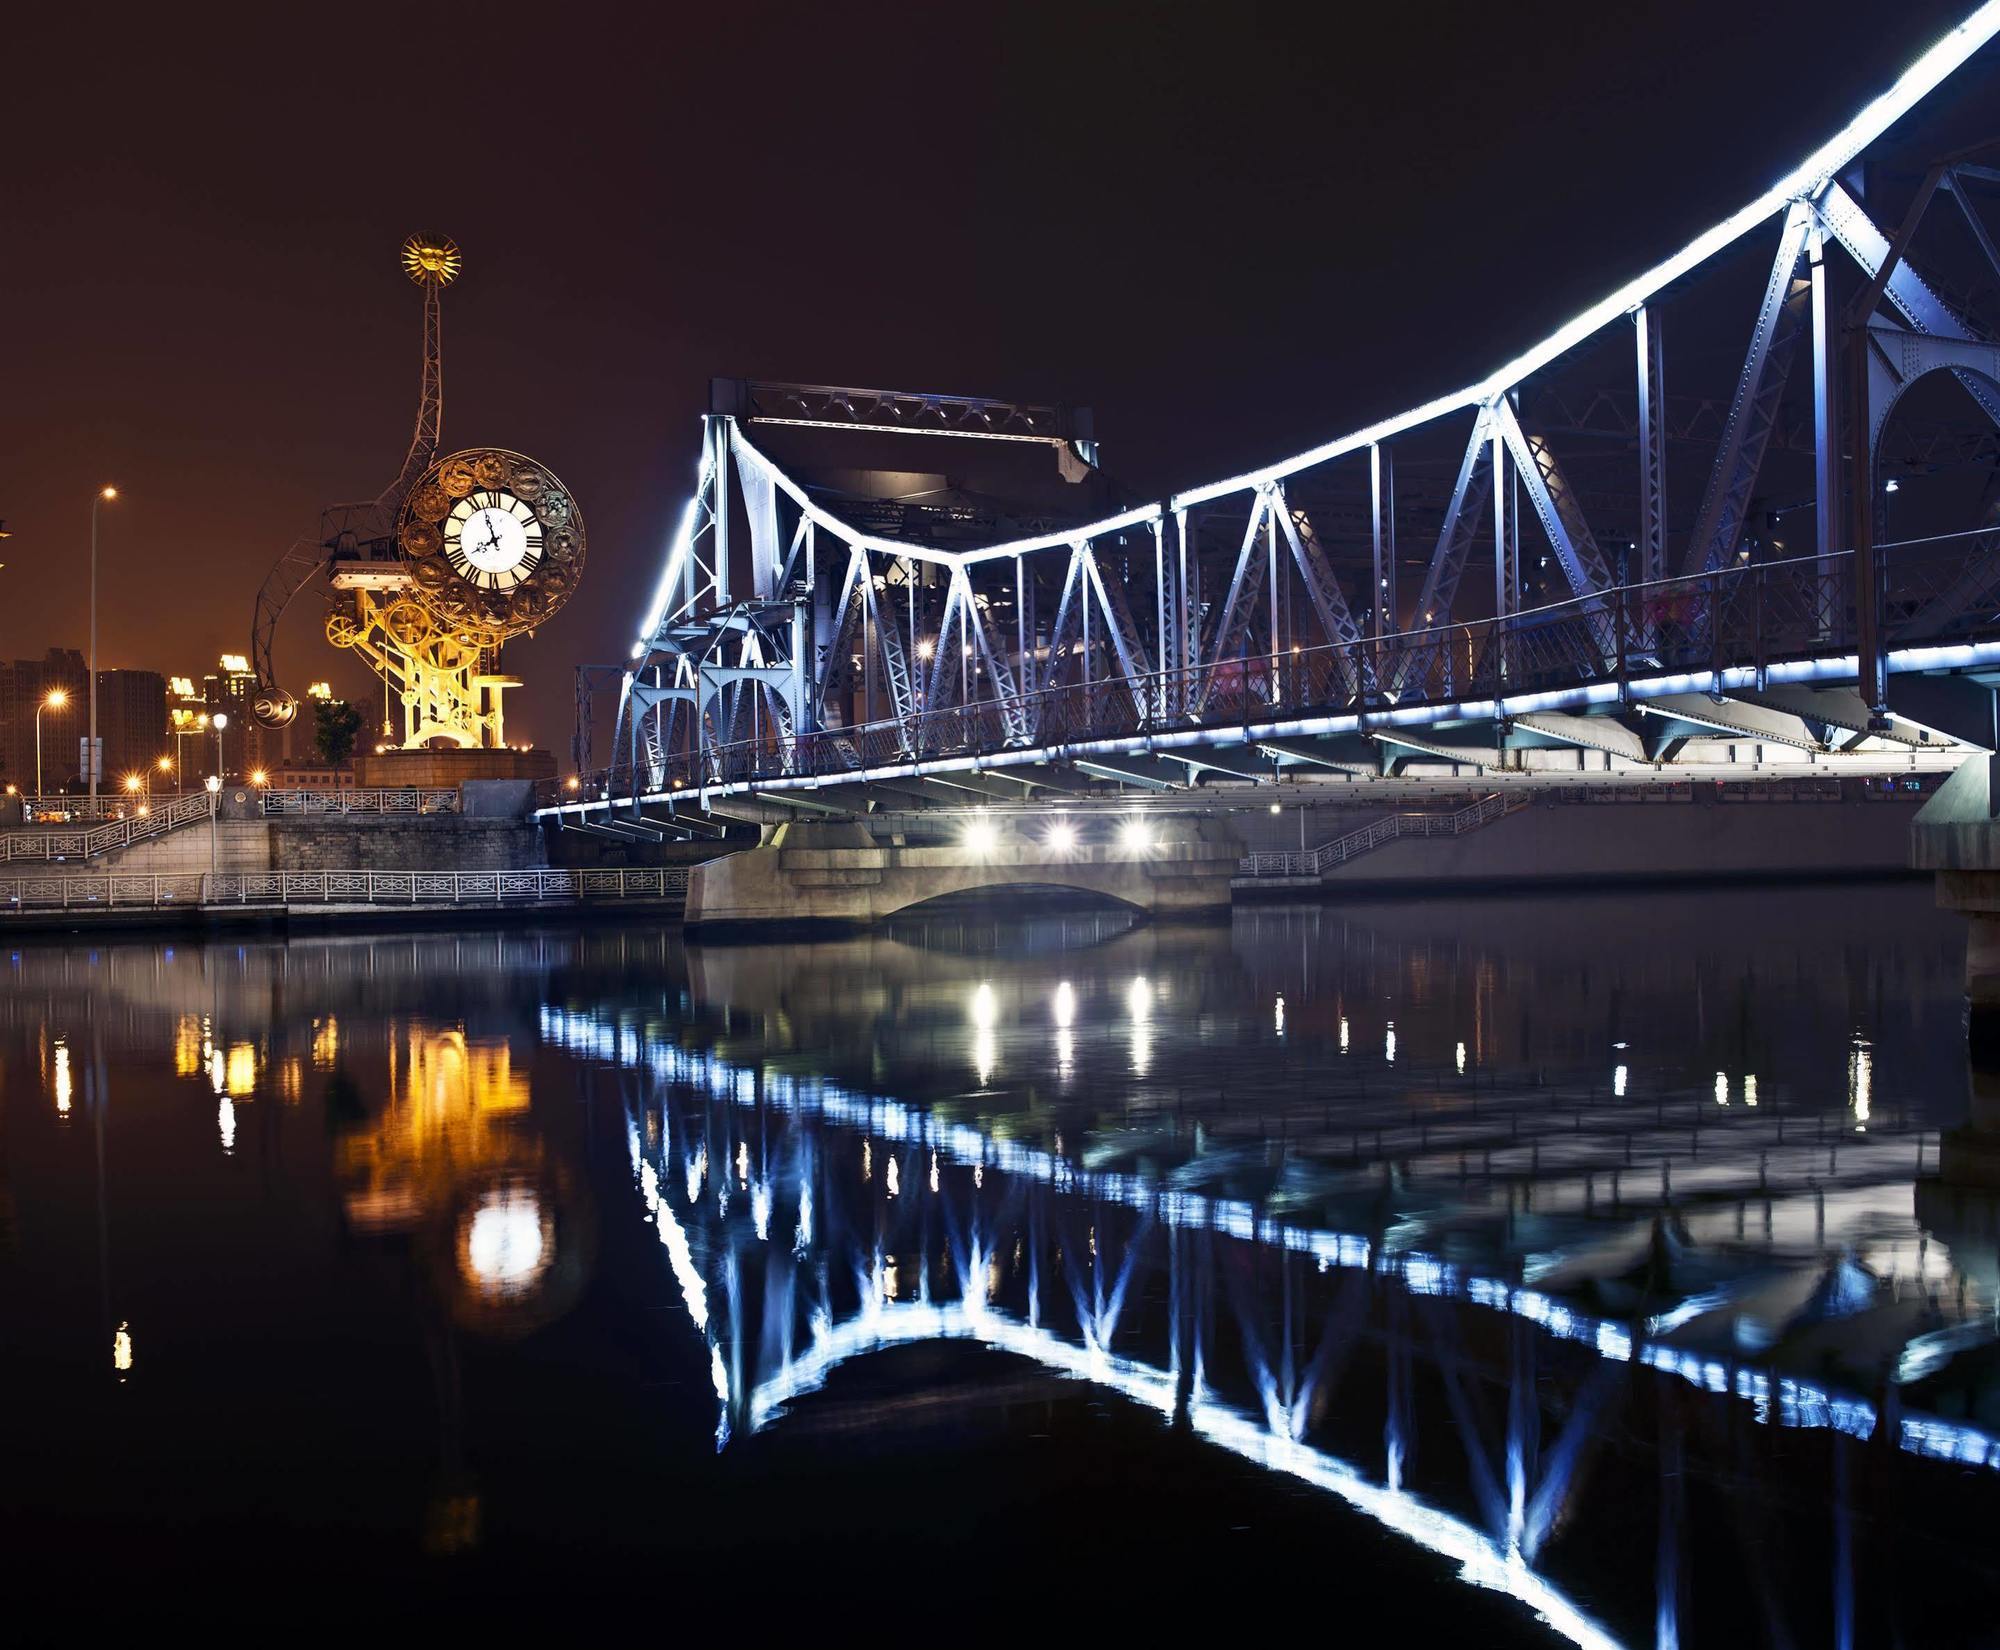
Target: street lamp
166,765
218,722
55,701
103,495
213,783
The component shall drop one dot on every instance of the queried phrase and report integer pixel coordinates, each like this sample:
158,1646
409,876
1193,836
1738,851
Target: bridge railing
1748,615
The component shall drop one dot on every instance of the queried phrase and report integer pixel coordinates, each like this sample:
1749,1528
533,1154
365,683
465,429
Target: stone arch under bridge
833,871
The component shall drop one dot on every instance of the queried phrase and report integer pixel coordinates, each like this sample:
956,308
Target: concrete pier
1957,836
840,872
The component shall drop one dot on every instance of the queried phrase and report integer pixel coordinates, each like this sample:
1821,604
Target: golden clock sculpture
488,544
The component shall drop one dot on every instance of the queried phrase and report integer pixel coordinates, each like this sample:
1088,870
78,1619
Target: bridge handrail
1748,614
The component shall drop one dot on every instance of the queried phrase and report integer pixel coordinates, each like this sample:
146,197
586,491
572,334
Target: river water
1532,1269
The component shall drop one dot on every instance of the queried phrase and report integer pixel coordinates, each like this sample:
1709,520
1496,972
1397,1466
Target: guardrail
1314,862
361,802
287,889
86,842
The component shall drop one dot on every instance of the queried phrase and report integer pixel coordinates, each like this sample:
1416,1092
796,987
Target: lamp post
166,764
214,784
218,722
55,701
102,495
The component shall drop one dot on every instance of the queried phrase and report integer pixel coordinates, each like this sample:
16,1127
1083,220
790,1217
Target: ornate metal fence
287,889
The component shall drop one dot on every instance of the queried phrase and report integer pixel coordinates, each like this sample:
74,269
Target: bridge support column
1958,836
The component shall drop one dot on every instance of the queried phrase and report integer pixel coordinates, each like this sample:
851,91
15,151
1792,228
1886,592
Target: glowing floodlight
1062,836
1135,837
981,837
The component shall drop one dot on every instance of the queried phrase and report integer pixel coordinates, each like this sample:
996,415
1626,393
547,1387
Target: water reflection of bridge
1500,1421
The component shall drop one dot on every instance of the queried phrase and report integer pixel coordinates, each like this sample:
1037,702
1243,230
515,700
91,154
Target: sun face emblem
431,259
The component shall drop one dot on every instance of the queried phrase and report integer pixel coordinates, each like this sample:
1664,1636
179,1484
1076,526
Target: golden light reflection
121,1350
240,1074
187,1046
451,1161
326,1043
63,1080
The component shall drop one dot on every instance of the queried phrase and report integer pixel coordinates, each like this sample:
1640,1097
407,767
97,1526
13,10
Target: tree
336,728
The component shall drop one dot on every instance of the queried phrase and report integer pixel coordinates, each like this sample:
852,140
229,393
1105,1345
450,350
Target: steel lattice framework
787,649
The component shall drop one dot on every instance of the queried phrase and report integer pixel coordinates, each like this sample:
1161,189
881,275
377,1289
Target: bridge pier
1957,836
839,872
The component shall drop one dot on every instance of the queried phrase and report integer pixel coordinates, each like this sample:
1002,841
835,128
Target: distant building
247,745
26,684
132,723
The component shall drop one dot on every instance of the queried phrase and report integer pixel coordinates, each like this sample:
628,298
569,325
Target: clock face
492,539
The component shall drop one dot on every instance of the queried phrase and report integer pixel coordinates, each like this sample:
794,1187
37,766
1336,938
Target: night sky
1232,230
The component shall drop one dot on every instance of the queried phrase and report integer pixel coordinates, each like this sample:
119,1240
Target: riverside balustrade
289,889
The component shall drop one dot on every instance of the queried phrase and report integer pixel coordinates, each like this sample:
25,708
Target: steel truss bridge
1651,567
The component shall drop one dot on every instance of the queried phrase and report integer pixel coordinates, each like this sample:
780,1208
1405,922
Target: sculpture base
447,768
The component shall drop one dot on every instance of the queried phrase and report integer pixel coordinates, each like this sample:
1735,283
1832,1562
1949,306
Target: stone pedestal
448,768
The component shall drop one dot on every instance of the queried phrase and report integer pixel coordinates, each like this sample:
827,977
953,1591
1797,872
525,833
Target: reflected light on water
121,1350
240,1072
63,1080
225,1123
1139,999
892,1181
1389,1044
1343,1034
1860,1081
1065,1004
507,1246
1618,1079
1461,1059
1722,1088
1278,1014
984,1012
1749,1088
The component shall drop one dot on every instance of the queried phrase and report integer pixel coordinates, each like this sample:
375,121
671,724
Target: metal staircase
1329,856
89,842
